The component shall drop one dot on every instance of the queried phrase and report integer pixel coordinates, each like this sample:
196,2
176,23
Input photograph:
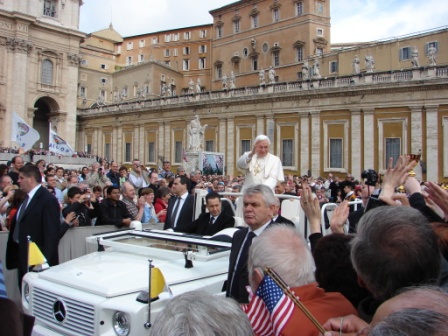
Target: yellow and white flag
157,282
35,256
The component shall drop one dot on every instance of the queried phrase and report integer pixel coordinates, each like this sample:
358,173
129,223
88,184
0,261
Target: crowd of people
384,263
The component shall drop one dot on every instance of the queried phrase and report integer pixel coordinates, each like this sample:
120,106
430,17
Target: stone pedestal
193,162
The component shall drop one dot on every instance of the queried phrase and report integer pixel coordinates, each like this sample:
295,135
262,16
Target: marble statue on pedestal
195,135
305,70
356,66
262,77
432,55
370,63
271,75
414,58
232,80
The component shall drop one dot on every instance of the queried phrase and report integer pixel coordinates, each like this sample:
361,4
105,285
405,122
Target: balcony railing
332,83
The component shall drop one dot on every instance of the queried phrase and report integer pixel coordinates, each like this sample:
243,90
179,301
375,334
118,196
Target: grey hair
282,249
123,187
264,190
198,313
412,322
262,137
395,247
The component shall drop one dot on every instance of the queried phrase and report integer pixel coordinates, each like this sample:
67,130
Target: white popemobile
106,292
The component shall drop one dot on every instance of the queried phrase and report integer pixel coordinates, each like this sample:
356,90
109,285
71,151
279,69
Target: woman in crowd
163,196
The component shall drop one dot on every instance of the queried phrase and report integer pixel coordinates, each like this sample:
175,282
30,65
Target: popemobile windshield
106,292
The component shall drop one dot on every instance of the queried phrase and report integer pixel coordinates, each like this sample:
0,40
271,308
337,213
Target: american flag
269,309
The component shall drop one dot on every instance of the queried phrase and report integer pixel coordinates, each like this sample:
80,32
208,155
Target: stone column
369,136
167,152
416,136
270,129
231,147
431,156
160,143
315,143
120,149
95,141
356,164
304,143
222,135
260,126
114,151
141,143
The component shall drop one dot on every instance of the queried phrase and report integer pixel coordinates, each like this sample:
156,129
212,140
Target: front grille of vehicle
75,317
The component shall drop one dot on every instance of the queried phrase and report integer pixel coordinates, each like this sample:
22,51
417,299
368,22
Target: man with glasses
138,176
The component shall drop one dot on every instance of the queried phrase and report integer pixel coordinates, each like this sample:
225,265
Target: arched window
47,72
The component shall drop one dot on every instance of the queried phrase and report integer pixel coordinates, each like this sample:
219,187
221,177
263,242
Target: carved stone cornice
14,43
74,59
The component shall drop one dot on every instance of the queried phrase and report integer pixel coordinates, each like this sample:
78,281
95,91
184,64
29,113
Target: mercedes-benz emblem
59,311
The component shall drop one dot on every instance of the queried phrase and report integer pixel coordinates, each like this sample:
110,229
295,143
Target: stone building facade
39,49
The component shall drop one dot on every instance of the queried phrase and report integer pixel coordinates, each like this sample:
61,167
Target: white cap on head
262,137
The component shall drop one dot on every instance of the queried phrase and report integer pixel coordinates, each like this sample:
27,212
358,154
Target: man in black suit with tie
215,220
258,209
180,208
39,218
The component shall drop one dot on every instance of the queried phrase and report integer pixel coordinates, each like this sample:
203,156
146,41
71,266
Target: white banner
22,133
58,145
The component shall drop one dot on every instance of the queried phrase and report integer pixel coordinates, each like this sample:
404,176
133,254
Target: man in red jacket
284,251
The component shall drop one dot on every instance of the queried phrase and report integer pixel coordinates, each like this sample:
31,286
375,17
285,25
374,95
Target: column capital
368,110
355,111
416,108
432,108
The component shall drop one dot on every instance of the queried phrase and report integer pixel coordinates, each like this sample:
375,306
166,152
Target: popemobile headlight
26,291
121,324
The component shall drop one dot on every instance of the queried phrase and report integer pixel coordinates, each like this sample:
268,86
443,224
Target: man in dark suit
279,219
39,218
258,209
180,208
214,221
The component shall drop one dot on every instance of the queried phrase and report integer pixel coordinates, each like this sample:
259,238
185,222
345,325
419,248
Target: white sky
352,20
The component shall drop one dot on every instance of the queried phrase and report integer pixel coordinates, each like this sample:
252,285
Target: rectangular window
82,91
333,66
236,26
209,146
127,152
320,32
178,152
202,49
319,51
203,33
130,46
155,40
245,146
89,148
299,54
254,21
186,65
167,53
187,35
275,15
176,37
151,151
140,58
47,72
167,63
129,60
103,80
255,63
103,66
219,32
119,49
393,150
141,43
219,71
175,52
287,153
299,8
186,50
49,8
405,53
168,38
107,151
276,58
202,63
335,153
